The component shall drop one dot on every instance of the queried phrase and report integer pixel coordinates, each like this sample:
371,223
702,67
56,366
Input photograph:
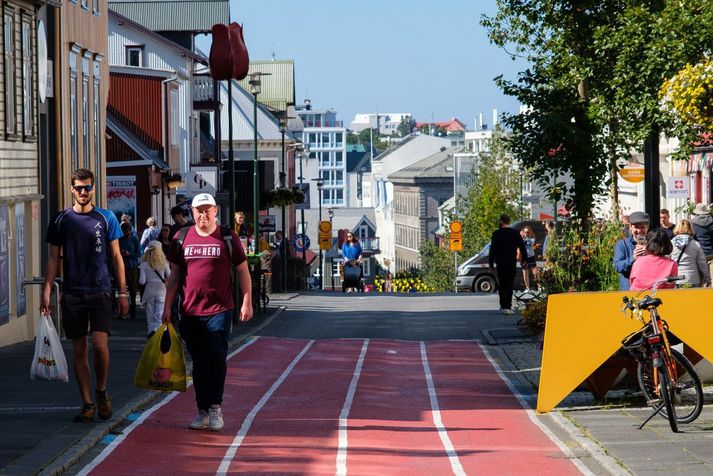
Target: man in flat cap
627,250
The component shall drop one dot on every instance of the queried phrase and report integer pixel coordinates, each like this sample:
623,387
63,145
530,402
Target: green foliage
406,127
495,191
592,84
365,137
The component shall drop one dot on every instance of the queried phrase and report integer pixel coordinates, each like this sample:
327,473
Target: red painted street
345,406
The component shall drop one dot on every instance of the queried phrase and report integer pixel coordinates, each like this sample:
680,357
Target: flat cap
639,217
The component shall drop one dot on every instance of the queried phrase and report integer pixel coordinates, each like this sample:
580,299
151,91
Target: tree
406,127
366,137
596,67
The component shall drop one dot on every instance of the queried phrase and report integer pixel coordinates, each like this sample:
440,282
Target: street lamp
301,150
255,84
330,214
320,185
283,183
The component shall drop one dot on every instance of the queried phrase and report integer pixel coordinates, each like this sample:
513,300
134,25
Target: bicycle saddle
649,302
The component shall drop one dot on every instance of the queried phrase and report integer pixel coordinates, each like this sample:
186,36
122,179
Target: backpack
227,237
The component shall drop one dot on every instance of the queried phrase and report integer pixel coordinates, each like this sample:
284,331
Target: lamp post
330,214
255,85
320,185
302,149
283,184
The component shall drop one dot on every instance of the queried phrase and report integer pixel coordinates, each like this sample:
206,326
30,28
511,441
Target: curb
74,453
590,446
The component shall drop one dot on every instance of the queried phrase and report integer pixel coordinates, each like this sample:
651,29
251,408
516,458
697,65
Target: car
475,274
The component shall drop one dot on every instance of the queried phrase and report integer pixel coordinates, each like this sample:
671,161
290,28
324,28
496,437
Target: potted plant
283,196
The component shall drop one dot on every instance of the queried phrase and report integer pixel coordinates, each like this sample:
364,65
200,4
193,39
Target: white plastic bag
49,362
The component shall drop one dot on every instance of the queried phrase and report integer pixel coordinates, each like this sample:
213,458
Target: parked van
475,274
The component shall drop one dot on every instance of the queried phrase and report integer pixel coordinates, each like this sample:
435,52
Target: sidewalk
609,430
36,428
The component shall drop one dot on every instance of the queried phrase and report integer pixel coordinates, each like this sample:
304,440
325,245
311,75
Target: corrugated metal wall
136,100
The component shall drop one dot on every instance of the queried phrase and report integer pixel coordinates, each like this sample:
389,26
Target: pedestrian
387,288
529,262
629,249
504,245
665,219
654,265
702,222
179,221
549,235
689,256
240,228
351,257
149,234
164,239
87,237
153,272
197,258
130,251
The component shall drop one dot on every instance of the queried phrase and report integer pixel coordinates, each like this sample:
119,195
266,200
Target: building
419,190
452,127
386,123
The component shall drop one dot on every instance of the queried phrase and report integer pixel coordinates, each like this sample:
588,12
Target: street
353,384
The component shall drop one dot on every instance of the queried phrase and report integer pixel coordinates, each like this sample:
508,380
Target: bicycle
666,377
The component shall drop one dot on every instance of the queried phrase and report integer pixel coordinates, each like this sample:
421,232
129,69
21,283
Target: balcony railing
369,244
202,88
307,123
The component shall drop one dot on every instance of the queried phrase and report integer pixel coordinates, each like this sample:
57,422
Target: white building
386,123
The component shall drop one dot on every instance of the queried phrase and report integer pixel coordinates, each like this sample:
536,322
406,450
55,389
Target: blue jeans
206,339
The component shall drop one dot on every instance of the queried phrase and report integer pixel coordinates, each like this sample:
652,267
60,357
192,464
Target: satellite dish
42,60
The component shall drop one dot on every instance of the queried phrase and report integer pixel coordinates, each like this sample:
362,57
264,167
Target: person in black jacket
503,252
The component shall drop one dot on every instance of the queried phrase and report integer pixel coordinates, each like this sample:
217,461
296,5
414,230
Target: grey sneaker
200,422
215,418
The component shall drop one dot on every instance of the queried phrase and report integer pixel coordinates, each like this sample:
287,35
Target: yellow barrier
584,329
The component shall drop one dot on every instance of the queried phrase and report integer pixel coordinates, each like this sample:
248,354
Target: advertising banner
121,196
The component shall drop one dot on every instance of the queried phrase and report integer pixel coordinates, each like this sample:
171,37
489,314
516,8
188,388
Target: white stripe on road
436,412
344,415
144,415
531,414
230,454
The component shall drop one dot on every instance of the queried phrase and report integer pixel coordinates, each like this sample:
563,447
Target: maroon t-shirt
206,265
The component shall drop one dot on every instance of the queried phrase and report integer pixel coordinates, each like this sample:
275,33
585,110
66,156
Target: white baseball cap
203,199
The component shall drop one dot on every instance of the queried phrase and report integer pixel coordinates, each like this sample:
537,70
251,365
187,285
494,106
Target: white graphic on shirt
98,242
202,251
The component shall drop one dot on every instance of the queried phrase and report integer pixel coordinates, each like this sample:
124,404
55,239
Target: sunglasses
86,188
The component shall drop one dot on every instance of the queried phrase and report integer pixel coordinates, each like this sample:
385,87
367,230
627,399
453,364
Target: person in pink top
655,265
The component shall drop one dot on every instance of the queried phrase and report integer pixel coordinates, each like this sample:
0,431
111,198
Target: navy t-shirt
84,239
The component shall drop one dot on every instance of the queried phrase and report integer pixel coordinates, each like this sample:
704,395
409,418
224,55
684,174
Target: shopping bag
162,365
49,362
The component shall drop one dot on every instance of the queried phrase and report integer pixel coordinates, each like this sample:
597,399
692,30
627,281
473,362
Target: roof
450,126
436,166
243,120
161,39
143,150
197,16
277,91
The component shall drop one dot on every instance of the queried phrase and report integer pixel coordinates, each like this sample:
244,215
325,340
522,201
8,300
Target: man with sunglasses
87,238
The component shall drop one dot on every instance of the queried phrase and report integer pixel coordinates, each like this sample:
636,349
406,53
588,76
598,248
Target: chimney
495,118
480,121
308,104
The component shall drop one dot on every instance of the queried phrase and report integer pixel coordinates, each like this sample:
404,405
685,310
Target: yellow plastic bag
162,365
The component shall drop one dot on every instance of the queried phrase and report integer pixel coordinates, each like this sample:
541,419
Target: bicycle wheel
688,396
667,391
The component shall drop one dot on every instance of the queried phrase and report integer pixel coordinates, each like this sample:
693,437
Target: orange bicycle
667,378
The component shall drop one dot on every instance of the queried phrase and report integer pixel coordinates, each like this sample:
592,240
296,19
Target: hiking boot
104,404
86,414
200,422
215,418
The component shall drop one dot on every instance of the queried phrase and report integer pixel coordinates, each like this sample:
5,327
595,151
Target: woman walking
530,261
154,272
689,256
351,260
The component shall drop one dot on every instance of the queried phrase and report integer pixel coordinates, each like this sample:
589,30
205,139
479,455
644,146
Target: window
134,56
10,65
175,126
336,268
85,4
97,124
28,114
73,107
85,110
366,267
95,7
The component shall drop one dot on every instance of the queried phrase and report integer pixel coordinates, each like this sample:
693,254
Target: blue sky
432,59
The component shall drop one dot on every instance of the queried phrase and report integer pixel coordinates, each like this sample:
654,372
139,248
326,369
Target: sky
432,59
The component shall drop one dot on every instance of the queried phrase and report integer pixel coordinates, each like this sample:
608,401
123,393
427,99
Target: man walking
131,253
87,237
503,252
666,225
628,249
198,256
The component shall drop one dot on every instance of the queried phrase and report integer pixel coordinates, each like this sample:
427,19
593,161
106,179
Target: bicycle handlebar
668,279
